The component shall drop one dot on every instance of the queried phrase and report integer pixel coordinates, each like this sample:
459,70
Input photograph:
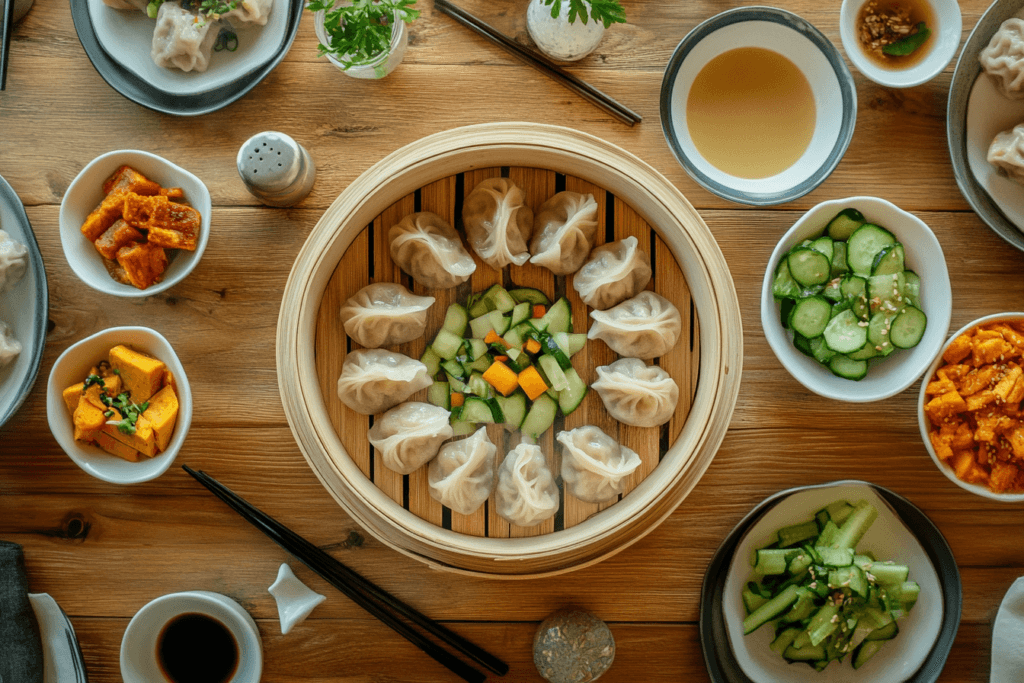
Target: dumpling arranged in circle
1007,153
615,272
637,394
594,465
429,249
564,232
373,380
462,475
13,261
410,435
526,494
646,326
498,222
384,314
1003,59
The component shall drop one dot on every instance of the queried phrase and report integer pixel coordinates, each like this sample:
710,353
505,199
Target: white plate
127,36
889,539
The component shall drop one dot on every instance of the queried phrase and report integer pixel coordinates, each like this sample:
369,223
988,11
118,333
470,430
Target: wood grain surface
103,551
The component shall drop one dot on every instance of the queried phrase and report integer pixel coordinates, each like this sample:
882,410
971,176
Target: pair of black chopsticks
367,595
541,63
7,15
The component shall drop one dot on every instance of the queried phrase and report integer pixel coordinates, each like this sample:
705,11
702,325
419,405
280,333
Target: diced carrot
457,399
501,377
501,358
493,338
539,310
532,383
532,346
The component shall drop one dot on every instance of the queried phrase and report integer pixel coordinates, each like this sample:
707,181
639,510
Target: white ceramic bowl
889,376
945,39
925,424
73,365
835,100
86,192
138,646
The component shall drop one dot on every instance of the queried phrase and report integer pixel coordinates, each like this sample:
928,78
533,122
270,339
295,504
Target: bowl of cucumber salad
856,299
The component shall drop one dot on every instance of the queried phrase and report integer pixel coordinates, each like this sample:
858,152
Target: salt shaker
277,170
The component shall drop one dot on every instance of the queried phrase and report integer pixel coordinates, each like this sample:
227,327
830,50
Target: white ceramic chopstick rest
1007,658
294,599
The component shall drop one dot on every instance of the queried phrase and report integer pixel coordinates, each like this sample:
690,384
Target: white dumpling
462,475
1003,59
498,222
594,465
13,261
564,232
615,272
1007,152
410,435
373,380
9,346
646,326
251,11
182,42
637,394
427,248
127,4
384,314
526,494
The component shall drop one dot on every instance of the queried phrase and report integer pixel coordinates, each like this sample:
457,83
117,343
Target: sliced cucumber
842,366
908,328
784,286
447,344
541,416
889,260
809,267
826,246
810,316
432,361
839,266
455,320
530,296
844,333
575,390
844,224
885,293
440,395
521,313
912,288
864,244
514,409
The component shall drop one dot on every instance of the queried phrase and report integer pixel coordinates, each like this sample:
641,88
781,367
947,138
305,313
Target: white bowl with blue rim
832,86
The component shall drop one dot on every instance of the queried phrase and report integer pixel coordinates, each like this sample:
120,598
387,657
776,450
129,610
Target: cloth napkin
1007,636
21,649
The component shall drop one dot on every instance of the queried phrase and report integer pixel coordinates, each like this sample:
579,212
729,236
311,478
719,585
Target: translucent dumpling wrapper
427,248
526,494
374,380
461,477
594,465
1003,59
564,232
182,42
384,314
13,261
1007,153
614,272
250,12
410,435
646,326
9,346
637,394
498,222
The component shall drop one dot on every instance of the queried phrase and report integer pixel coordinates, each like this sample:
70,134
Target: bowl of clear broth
758,106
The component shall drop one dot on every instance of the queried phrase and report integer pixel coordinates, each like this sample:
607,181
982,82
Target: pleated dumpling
526,494
637,394
646,326
373,380
13,261
251,12
564,232
498,222
410,435
462,475
1003,59
425,246
615,272
385,313
181,40
1007,153
10,347
594,465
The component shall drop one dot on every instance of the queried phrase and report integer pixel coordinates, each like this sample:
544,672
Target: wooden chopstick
7,13
363,592
541,63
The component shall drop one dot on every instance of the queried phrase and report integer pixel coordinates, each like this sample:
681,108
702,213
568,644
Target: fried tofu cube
116,272
72,395
943,406
144,264
143,440
118,235
103,216
168,225
162,414
958,349
141,375
115,447
127,179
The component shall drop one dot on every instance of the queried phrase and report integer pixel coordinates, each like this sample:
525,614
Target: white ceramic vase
374,68
559,39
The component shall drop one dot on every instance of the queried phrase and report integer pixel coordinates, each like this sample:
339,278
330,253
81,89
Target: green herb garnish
906,46
226,40
360,31
607,11
92,379
130,412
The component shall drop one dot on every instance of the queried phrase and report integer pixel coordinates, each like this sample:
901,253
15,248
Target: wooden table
103,551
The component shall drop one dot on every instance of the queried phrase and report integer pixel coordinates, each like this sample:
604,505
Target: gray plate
967,70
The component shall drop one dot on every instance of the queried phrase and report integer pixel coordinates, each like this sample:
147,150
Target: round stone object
573,646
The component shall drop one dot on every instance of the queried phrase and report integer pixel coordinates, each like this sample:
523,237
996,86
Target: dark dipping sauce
196,648
883,22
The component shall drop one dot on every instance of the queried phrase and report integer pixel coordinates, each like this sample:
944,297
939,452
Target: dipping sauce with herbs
896,34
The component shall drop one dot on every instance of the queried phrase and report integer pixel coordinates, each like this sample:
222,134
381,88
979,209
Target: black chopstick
366,594
7,12
541,63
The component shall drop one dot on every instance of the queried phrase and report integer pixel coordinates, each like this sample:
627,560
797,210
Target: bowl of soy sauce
191,637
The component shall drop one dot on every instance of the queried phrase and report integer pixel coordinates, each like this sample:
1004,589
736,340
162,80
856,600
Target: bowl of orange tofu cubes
971,407
133,224
119,404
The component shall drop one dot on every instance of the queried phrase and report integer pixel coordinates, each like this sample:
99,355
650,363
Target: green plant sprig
607,11
362,30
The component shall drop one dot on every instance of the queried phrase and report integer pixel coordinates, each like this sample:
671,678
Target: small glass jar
378,66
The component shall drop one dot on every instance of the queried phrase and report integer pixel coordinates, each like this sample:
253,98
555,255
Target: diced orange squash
458,399
532,346
501,358
168,381
143,440
89,416
539,310
144,264
492,337
71,396
141,375
532,383
115,447
118,235
958,349
501,377
161,415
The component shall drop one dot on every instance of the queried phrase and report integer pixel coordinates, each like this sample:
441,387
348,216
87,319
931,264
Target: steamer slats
682,367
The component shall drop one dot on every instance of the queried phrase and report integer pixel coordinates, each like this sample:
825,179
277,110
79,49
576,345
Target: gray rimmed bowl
835,99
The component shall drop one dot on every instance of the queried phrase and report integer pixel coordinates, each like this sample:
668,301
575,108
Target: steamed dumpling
373,380
462,475
251,11
410,435
594,465
127,4
384,314
646,326
1007,152
526,494
564,232
9,346
498,222
13,261
426,247
1003,59
637,394
182,42
615,272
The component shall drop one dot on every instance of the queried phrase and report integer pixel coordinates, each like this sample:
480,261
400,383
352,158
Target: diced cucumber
558,317
514,409
530,296
809,267
540,417
771,609
447,344
908,328
479,307
482,410
549,347
513,338
479,386
867,650
432,361
462,427
570,398
571,344
456,384
844,333
553,372
521,313
844,224
492,321
499,299
864,244
455,320
791,535
455,369
439,394
480,364
810,316
477,348
772,561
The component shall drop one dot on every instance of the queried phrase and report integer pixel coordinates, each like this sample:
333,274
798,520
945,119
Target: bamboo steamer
714,385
